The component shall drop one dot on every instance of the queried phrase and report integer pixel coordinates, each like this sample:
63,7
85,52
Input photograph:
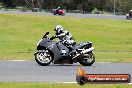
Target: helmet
130,10
58,7
58,28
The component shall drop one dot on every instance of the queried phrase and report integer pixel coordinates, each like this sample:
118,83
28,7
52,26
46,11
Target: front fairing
44,43
56,48
39,42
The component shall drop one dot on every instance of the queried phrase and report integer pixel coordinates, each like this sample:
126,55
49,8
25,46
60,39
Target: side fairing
84,45
58,50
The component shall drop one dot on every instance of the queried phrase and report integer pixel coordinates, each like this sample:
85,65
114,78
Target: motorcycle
59,12
58,53
128,17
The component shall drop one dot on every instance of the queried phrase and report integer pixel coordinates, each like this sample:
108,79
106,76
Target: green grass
50,85
19,35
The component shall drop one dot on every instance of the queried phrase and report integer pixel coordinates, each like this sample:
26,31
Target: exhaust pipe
87,50
83,52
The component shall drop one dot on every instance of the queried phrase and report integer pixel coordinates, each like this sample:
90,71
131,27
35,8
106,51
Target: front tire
54,13
128,17
87,59
43,58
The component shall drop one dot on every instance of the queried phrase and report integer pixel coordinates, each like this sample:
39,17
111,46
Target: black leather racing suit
66,38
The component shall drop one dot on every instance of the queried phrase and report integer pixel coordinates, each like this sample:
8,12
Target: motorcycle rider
57,10
64,36
130,13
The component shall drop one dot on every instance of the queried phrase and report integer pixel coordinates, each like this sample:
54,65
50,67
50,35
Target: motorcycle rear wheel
43,58
87,60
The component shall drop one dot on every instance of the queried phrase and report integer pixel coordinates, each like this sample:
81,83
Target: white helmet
58,28
58,8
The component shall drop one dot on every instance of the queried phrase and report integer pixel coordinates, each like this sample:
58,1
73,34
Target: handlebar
52,37
45,36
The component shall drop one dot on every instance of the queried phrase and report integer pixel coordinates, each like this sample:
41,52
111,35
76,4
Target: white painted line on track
76,82
17,60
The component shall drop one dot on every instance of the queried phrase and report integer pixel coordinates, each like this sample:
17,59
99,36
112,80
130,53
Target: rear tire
43,58
59,14
87,60
63,14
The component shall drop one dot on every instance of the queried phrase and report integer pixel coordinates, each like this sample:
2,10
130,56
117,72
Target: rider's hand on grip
53,37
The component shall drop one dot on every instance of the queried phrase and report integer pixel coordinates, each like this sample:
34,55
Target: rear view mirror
45,34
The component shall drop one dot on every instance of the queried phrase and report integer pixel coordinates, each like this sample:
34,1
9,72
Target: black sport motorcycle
58,53
128,17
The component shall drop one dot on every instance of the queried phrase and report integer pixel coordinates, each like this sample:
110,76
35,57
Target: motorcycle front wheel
128,17
43,58
54,13
87,59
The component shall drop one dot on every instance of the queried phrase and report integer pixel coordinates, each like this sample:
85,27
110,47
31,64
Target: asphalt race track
98,16
30,71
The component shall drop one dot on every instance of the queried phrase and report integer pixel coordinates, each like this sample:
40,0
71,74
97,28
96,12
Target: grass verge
19,35
50,85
